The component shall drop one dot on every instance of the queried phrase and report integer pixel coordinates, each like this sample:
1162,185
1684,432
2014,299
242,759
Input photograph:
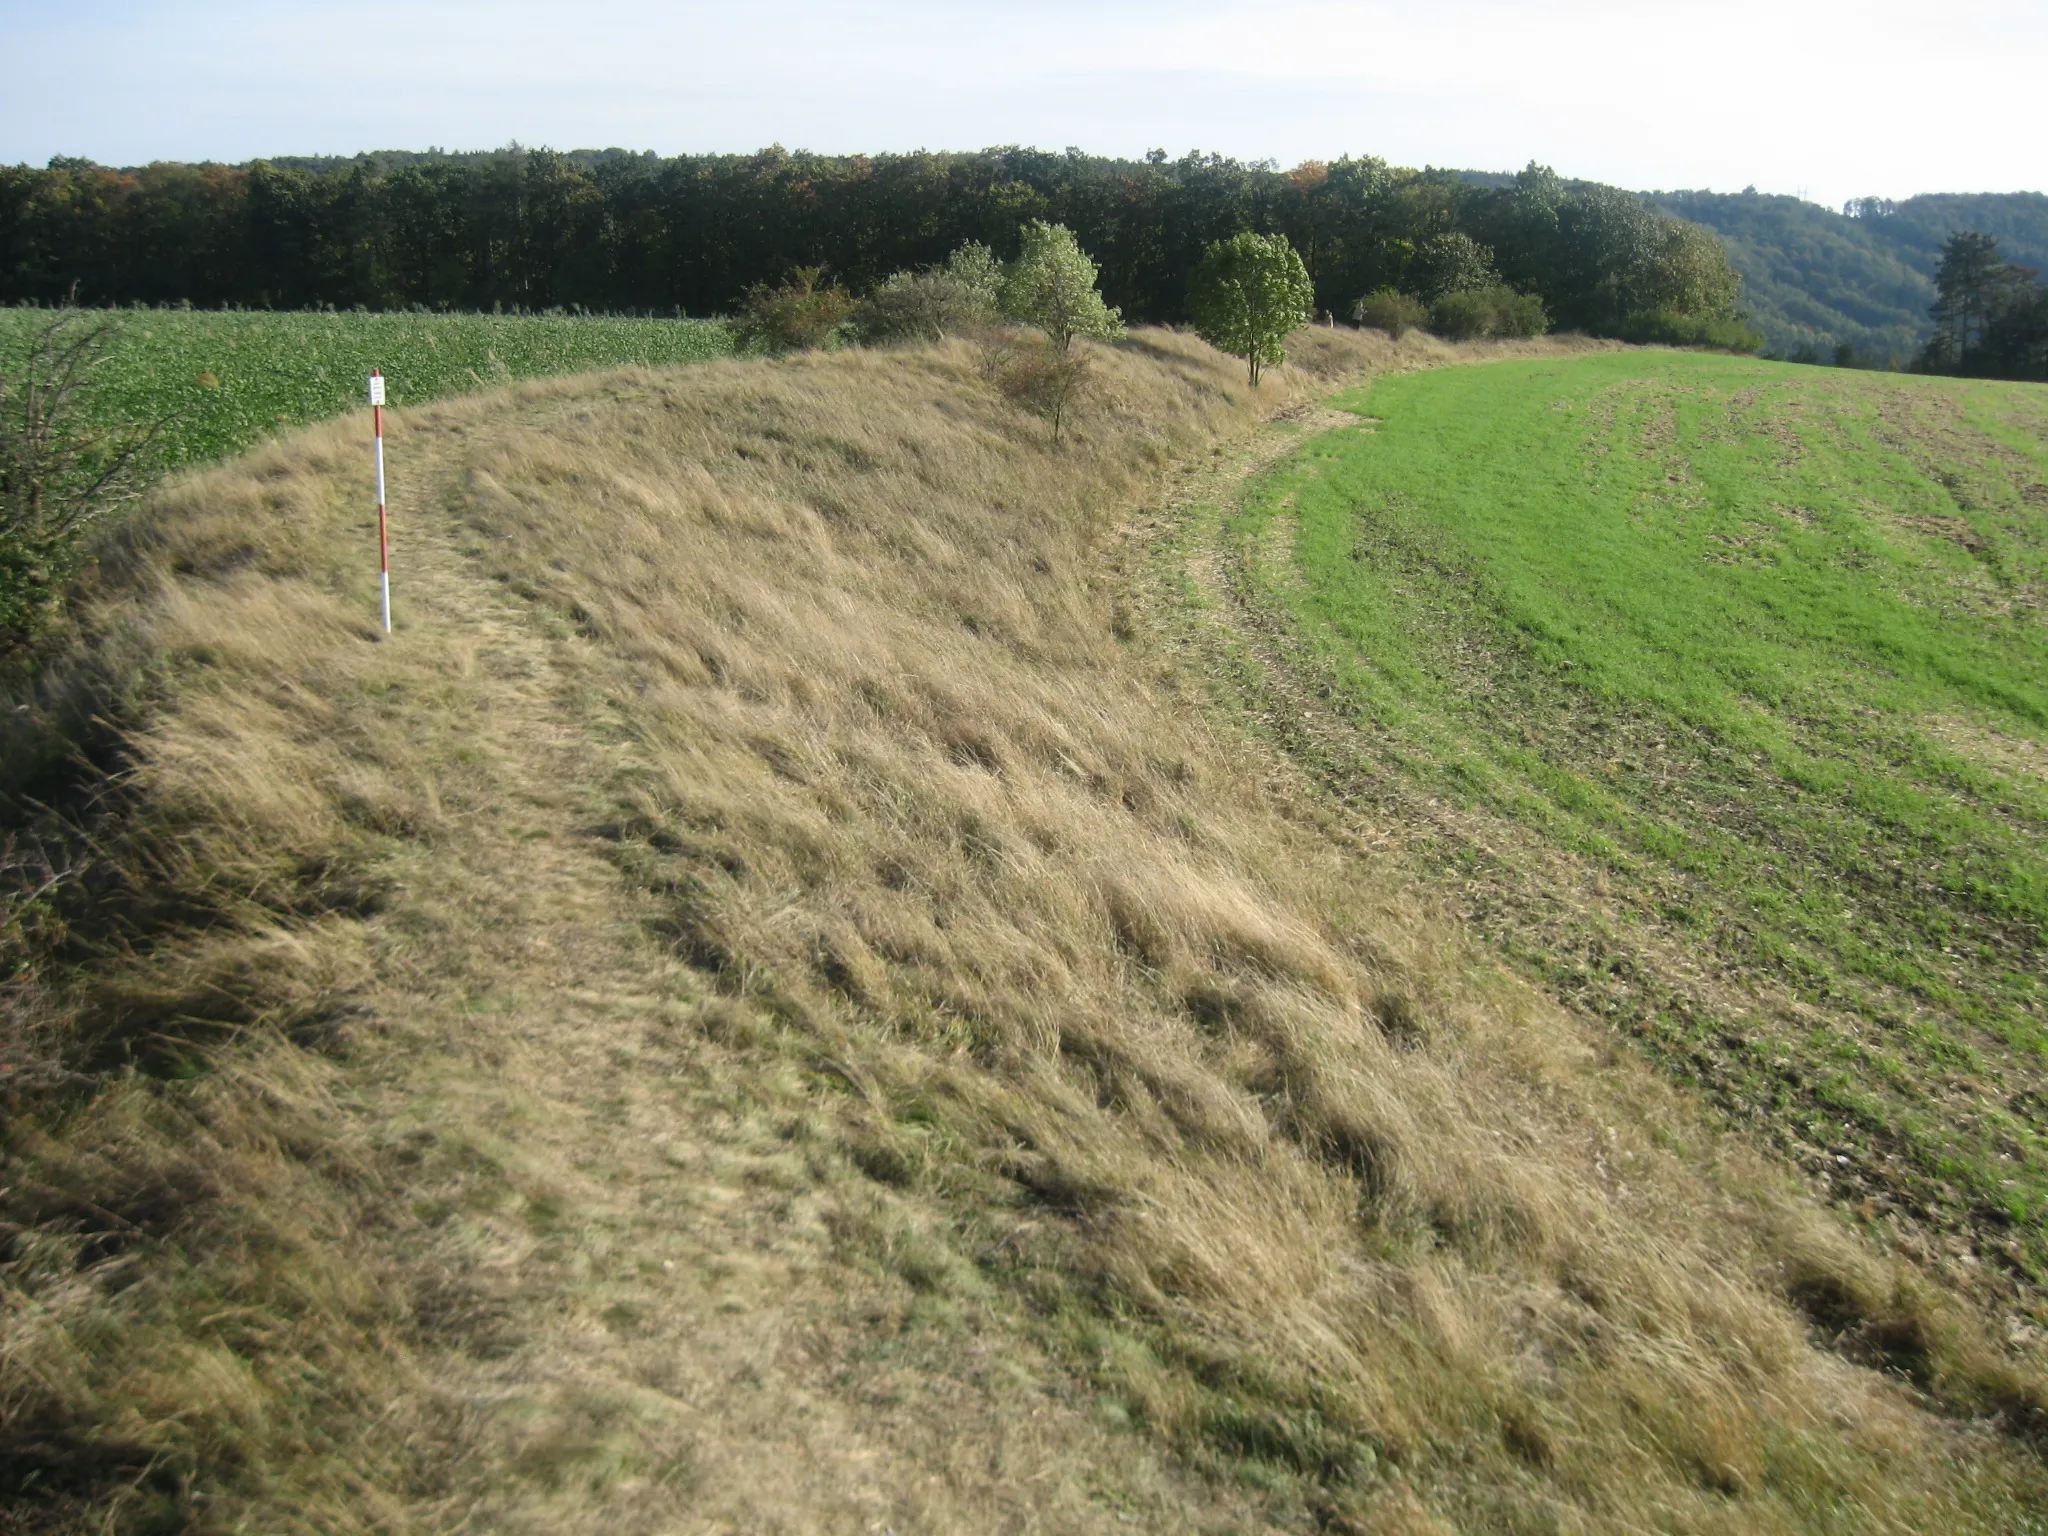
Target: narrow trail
1202,611
638,1318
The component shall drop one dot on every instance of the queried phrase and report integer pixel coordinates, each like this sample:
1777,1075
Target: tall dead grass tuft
1309,1193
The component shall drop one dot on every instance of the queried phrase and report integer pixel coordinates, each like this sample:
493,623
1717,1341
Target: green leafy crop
233,378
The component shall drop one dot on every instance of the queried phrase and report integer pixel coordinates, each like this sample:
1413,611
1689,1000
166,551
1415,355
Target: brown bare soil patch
1994,748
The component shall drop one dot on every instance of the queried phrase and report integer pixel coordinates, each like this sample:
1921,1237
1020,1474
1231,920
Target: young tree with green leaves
976,268
1249,294
1051,285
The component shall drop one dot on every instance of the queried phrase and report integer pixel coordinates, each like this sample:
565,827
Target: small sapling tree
1248,296
1039,377
1051,285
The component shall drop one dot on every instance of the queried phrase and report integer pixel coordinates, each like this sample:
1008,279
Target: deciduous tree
1451,263
1051,285
1248,296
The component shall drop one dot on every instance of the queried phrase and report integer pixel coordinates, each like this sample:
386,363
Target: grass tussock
1220,1118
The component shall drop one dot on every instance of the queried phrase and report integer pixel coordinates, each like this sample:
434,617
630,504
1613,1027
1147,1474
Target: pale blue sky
1832,98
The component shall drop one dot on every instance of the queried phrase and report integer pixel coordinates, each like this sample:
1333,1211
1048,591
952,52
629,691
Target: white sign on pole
383,522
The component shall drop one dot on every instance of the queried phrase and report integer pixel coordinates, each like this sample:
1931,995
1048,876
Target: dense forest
616,231
1815,280
1990,314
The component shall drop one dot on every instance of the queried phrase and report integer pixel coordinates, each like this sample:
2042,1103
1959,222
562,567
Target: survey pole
383,522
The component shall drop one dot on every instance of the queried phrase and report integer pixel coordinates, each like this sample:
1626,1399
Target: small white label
376,389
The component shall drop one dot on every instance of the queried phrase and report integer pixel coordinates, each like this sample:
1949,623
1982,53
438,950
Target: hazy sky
1823,97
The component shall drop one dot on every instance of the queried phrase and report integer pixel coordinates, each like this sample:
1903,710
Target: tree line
1990,314
618,232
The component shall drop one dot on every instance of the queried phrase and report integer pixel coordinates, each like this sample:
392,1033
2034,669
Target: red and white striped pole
383,523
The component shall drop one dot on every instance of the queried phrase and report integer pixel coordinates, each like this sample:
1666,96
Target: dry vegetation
763,1008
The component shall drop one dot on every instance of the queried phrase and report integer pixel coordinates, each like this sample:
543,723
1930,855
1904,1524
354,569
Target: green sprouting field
1726,684
229,379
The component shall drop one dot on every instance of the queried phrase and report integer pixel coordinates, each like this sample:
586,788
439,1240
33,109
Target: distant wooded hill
1816,278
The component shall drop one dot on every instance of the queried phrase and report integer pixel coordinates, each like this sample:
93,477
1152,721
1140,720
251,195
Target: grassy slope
761,1007
230,380
1760,651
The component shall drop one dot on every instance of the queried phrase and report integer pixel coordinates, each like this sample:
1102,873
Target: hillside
1813,277
771,1003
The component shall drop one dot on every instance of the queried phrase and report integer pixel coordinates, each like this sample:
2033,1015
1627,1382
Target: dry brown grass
759,847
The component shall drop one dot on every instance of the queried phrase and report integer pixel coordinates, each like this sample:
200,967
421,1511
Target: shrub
1720,333
1470,314
1248,296
1519,314
58,473
922,306
795,314
1395,313
1465,315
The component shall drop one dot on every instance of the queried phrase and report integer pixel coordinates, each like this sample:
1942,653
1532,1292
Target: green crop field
1724,686
229,379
